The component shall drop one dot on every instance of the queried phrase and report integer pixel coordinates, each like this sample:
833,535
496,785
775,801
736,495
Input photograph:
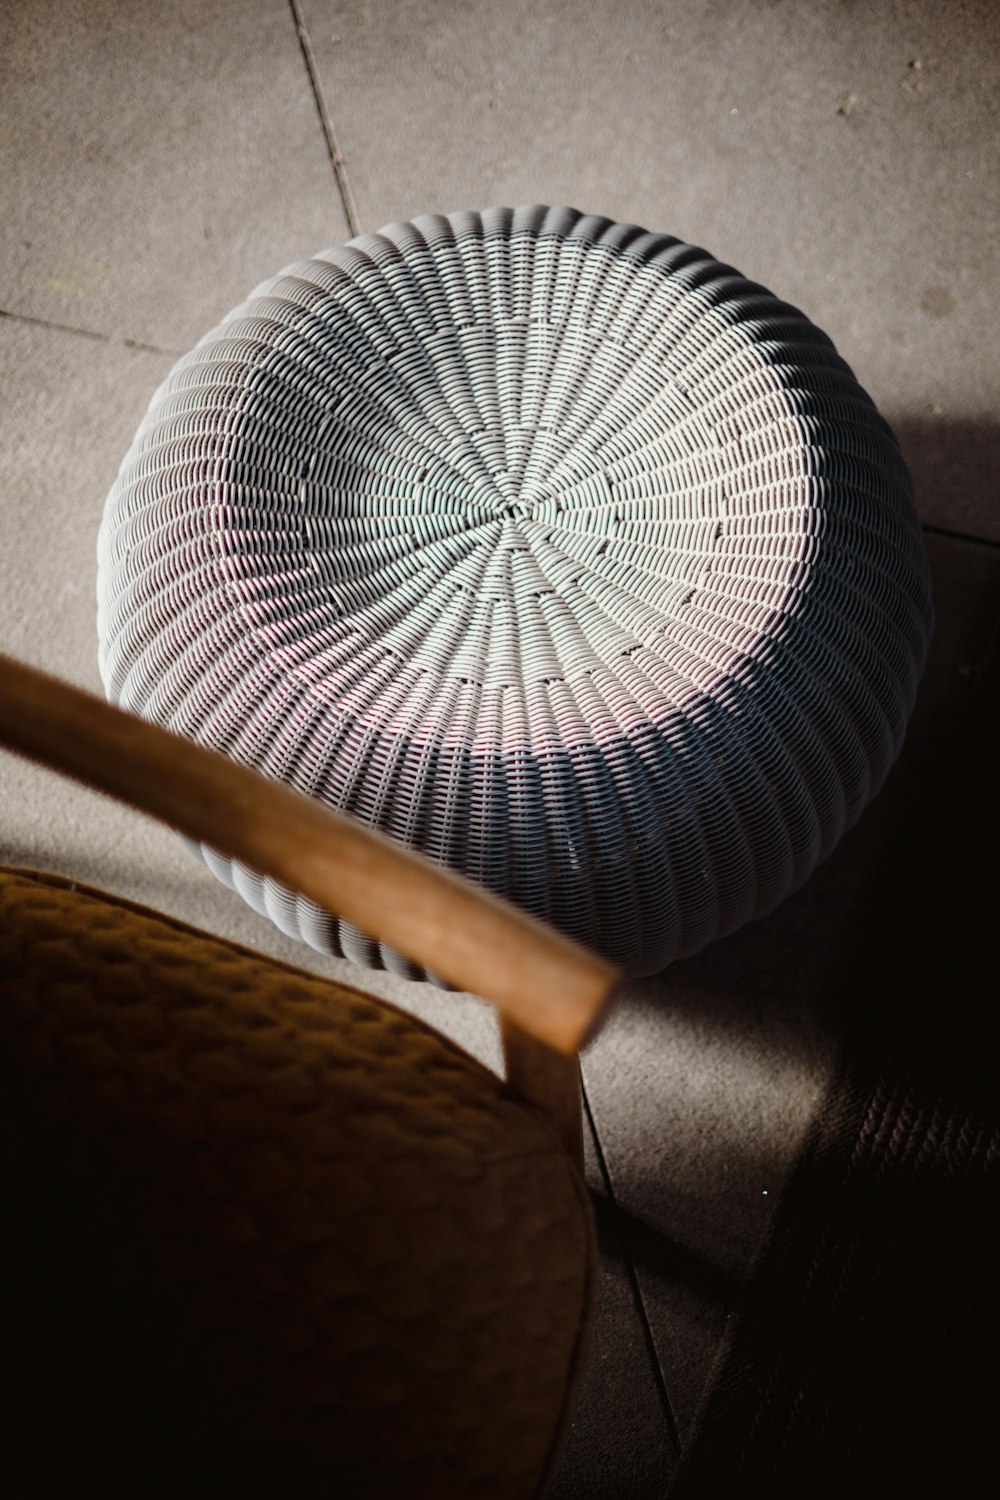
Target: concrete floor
159,161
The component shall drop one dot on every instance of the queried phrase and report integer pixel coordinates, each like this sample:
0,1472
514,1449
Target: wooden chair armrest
542,983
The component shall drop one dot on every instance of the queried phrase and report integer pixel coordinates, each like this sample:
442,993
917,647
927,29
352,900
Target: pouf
551,547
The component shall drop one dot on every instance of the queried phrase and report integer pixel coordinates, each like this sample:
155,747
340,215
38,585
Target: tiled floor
157,162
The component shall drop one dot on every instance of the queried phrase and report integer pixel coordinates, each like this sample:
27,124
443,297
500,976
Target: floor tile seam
951,535
87,333
659,1376
347,202
929,528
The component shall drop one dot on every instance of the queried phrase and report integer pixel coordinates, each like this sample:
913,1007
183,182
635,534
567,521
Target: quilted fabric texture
266,1234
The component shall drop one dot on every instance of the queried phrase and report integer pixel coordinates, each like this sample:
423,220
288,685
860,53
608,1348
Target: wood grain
548,1079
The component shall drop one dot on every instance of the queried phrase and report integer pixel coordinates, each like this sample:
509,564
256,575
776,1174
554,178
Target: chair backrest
550,992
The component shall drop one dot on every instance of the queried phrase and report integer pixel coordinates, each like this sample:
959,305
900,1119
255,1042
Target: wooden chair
266,1233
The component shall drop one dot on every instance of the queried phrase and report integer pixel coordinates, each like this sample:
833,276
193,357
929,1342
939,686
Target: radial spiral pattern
549,546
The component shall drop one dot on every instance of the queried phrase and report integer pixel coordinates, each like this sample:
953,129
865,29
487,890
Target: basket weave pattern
549,546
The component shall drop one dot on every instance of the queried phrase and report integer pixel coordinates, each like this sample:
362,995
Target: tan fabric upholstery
265,1234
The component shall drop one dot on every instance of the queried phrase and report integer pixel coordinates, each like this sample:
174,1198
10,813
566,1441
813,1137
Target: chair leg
548,1079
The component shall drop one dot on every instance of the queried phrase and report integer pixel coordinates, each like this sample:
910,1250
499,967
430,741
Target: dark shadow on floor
857,1365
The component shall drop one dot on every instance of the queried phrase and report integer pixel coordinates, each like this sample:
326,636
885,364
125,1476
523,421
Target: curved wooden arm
540,981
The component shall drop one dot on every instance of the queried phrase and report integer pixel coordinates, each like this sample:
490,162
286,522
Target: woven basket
549,546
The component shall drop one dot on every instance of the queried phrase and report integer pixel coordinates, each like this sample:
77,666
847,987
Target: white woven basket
549,546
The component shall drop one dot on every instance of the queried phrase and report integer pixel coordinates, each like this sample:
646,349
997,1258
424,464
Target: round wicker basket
551,547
